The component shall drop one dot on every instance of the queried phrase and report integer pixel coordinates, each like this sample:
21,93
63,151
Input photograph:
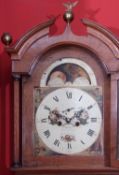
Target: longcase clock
65,108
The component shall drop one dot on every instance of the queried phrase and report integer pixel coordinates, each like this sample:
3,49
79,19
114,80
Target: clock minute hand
68,110
67,120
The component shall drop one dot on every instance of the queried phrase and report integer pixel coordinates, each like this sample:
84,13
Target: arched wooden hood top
31,46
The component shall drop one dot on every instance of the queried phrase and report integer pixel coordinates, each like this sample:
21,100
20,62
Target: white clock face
68,120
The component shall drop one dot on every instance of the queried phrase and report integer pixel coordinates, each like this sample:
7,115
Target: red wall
18,16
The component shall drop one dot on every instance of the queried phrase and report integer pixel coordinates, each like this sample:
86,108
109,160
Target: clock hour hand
63,117
68,110
67,120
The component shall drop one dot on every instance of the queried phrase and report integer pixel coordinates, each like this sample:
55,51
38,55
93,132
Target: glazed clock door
68,111
67,114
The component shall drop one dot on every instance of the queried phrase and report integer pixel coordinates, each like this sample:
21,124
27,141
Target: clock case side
16,52
33,45
115,120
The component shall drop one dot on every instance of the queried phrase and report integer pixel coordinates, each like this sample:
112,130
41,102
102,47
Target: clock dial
68,120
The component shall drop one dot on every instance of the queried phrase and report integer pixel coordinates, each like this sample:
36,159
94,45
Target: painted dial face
68,120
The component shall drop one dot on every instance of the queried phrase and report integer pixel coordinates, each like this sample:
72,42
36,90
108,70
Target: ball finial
6,38
68,16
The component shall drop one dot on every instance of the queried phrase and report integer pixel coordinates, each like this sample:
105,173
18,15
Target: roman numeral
56,142
44,120
94,120
89,107
69,95
80,98
90,132
69,146
82,142
47,133
56,98
47,108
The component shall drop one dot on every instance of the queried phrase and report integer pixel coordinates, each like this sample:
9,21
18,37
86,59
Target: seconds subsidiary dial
68,120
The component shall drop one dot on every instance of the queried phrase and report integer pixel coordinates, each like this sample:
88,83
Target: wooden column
16,121
114,119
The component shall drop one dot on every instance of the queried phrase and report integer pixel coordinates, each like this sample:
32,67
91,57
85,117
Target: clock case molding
27,57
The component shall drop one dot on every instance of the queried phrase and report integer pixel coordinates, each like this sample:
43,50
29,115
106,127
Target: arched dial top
68,72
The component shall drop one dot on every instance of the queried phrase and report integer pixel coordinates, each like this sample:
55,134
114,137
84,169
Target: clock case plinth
30,56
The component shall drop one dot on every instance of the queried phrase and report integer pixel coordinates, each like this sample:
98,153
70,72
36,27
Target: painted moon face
67,71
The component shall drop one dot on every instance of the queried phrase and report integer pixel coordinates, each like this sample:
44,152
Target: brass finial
6,38
68,15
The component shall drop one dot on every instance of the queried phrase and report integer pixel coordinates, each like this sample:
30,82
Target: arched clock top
31,36
26,52
103,34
